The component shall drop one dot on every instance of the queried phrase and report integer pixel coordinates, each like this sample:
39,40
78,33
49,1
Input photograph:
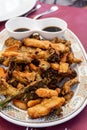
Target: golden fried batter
64,57
44,65
11,41
2,72
35,69
46,92
42,54
60,47
55,66
68,84
32,103
20,104
63,67
13,48
45,107
72,58
24,76
10,53
8,89
37,43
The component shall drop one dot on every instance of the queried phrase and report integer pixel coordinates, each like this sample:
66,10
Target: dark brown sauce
21,30
52,29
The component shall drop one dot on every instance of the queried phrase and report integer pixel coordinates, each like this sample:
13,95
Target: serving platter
13,8
70,110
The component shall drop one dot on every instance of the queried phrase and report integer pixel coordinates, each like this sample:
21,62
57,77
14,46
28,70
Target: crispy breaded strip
60,47
68,96
63,67
36,43
55,66
6,62
24,77
46,92
8,89
11,41
68,84
32,103
64,57
20,104
33,67
45,107
44,65
10,53
2,72
72,58
12,48
42,54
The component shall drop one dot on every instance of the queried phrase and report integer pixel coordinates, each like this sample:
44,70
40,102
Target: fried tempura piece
19,86
71,73
72,58
60,47
32,103
20,104
64,57
2,72
60,40
2,58
58,90
68,84
24,77
7,89
10,53
46,92
55,66
44,44
13,48
63,67
17,57
45,107
41,54
12,44
6,62
22,58
28,50
11,41
33,67
68,96
44,65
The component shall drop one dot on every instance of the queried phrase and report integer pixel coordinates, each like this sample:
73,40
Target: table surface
77,22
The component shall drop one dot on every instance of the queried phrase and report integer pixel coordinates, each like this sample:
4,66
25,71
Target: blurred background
76,3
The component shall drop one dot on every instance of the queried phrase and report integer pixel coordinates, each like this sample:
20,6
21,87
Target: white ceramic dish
73,108
13,8
35,26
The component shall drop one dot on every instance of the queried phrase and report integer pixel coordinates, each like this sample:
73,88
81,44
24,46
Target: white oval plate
13,8
70,110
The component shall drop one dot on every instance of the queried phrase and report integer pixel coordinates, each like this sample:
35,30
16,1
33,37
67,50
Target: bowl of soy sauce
52,27
19,27
48,28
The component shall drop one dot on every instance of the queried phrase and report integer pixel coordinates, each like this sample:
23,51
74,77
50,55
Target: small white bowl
35,26
52,22
19,23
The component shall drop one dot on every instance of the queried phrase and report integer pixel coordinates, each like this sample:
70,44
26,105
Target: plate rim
48,124
52,123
